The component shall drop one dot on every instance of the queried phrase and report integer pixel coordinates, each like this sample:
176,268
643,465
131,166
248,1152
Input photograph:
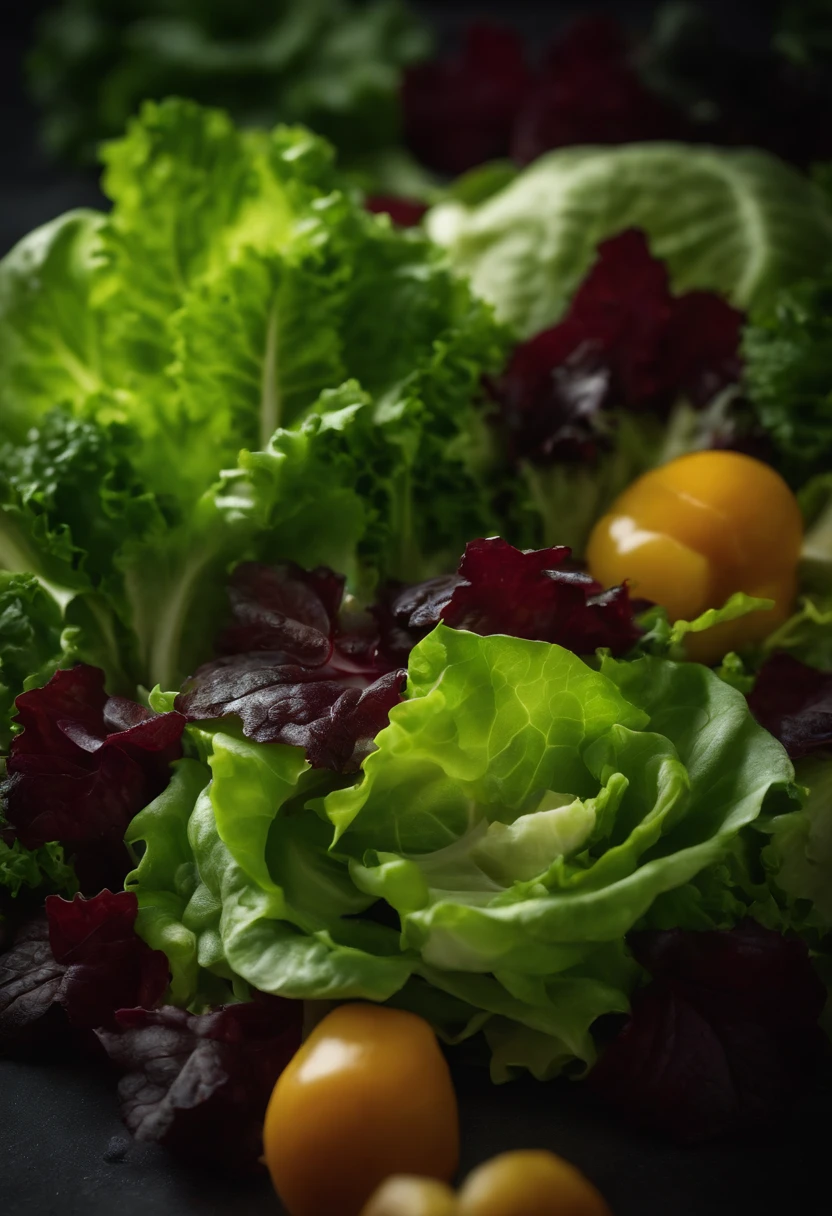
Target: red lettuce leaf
724,1038
531,594
106,965
200,1084
459,112
334,717
295,669
404,212
75,967
794,703
83,766
283,608
588,93
626,343
30,983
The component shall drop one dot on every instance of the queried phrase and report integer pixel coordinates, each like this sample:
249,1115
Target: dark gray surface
63,1150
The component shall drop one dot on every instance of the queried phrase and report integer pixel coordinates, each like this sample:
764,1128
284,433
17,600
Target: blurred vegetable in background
333,64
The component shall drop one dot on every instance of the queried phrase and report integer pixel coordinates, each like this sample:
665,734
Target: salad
434,617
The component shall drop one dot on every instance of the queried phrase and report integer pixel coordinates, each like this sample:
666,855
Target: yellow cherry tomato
533,1183
691,533
367,1095
412,1197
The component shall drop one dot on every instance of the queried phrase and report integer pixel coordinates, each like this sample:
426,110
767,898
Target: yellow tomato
691,533
412,1197
368,1095
534,1183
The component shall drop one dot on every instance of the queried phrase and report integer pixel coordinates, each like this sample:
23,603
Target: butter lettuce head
521,813
523,810
735,221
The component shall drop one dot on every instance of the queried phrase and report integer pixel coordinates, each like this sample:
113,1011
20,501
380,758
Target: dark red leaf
30,981
794,703
587,93
283,608
297,669
404,212
200,1084
83,766
724,1037
77,965
460,112
626,343
531,594
107,966
333,716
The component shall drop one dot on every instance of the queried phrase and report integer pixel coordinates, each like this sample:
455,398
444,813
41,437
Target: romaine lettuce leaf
738,222
223,305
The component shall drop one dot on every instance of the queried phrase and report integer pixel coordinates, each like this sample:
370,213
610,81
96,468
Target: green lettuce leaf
799,854
236,881
506,843
39,869
236,299
788,366
53,339
738,222
666,640
30,642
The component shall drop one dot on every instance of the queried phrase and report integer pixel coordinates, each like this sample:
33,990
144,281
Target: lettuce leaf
756,225
504,845
227,303
232,882
800,848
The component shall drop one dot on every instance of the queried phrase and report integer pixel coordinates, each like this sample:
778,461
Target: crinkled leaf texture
799,852
725,1037
82,767
199,1084
236,881
30,649
178,329
295,670
507,844
517,855
755,226
85,958
527,594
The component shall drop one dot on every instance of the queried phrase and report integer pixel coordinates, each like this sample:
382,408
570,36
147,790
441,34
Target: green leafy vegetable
738,222
30,642
531,855
237,297
34,869
668,641
789,373
236,881
800,850
333,64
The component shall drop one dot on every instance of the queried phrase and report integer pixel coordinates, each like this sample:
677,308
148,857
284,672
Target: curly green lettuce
237,299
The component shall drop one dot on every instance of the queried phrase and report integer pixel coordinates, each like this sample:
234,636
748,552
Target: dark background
62,1148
